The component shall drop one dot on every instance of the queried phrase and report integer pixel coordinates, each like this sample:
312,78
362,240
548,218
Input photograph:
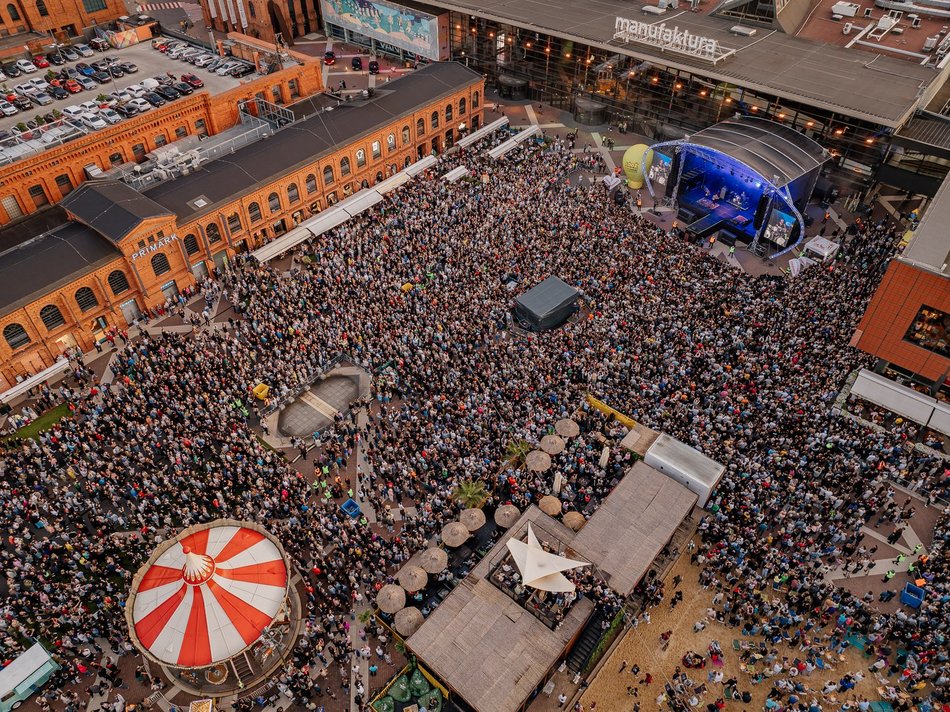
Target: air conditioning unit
846,30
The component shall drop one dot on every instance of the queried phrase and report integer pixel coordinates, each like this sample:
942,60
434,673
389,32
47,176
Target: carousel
214,607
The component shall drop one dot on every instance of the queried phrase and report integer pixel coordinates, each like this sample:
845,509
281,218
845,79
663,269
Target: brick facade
64,18
199,245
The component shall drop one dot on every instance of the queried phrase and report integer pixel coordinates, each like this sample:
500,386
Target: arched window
379,176
434,121
52,317
115,159
420,128
234,223
311,184
345,166
86,299
273,202
360,158
118,282
160,264
213,232
14,15
448,113
41,8
191,244
406,136
328,175
254,211
391,142
475,100
462,106
293,195
16,336
377,149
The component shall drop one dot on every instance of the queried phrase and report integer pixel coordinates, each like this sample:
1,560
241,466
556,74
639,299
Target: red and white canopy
209,595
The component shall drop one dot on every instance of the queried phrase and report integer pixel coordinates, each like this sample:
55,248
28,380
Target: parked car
40,83
136,90
204,60
70,54
102,77
11,70
140,104
101,66
73,112
176,52
41,98
159,42
357,64
58,93
72,86
182,88
226,68
112,59
6,135
91,121
329,58
6,108
242,70
40,61
163,80
373,67
149,83
153,99
84,50
99,44
26,66
192,53
85,69
56,59
128,67
122,95
168,93
127,111
24,89
109,116
90,107
116,72
86,83
49,117
21,102
69,73
192,81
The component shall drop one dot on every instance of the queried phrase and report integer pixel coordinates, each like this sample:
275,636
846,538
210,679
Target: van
24,676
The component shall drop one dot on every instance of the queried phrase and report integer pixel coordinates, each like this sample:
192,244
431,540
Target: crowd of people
744,368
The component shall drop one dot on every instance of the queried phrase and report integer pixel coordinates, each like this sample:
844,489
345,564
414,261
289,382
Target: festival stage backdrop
780,227
403,27
661,168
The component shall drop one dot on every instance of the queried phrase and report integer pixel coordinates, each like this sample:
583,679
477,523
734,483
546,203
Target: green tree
517,451
471,493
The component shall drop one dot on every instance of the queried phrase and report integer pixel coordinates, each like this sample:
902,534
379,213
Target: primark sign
157,245
670,39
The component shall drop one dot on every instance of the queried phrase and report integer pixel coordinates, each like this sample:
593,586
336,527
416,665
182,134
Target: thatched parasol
408,621
433,560
412,578
550,505
473,519
391,598
537,461
574,520
552,444
506,515
567,428
455,534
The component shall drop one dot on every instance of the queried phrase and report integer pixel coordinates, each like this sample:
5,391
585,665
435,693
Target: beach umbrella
550,505
567,428
433,560
408,621
412,578
391,598
506,515
537,461
455,534
574,520
552,444
473,519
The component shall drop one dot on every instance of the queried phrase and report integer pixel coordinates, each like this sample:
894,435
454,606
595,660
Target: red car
329,58
192,80
73,87
40,61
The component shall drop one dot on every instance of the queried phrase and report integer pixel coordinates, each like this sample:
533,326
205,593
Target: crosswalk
151,7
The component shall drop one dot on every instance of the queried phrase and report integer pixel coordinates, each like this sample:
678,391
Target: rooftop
930,246
111,207
881,89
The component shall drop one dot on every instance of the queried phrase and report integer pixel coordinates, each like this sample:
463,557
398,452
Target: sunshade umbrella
473,519
550,505
506,515
455,534
552,444
433,560
412,578
567,428
574,520
537,461
408,621
391,598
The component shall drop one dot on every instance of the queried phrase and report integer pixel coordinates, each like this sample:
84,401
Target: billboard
780,227
411,30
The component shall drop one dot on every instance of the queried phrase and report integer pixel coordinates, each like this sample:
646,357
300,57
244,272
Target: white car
40,84
175,52
24,89
205,60
25,66
140,104
109,116
136,90
90,107
6,108
74,112
91,121
226,67
84,50
122,95
41,98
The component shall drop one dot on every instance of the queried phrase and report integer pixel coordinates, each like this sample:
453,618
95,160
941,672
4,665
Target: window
213,232
11,206
118,282
420,128
332,199
475,100
360,158
16,336
377,149
293,195
181,132
86,299
191,244
328,175
160,140
250,8
64,184
52,317
14,15
39,196
273,202
292,85
138,150
391,142
406,136
311,184
41,8
462,106
94,5
115,159
160,264
345,167
200,128
448,113
929,330
254,211
234,223
435,119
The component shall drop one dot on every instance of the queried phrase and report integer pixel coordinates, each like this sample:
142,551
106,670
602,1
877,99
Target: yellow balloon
636,162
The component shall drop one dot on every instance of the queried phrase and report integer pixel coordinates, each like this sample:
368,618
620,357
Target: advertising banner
410,30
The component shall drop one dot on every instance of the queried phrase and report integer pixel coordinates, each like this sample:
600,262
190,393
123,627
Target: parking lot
150,63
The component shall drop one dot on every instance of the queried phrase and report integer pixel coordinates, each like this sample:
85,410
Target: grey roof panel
547,297
111,207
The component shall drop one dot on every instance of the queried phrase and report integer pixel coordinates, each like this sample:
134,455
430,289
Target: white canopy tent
539,568
823,247
904,401
484,131
25,385
513,142
455,174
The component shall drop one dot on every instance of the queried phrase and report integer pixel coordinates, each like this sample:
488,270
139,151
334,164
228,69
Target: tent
547,305
823,247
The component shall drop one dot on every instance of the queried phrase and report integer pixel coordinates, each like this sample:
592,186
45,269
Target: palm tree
471,493
517,451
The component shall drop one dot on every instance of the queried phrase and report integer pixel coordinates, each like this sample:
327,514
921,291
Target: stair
585,645
242,667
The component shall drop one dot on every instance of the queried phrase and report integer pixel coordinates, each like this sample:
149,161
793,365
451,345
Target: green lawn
46,421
